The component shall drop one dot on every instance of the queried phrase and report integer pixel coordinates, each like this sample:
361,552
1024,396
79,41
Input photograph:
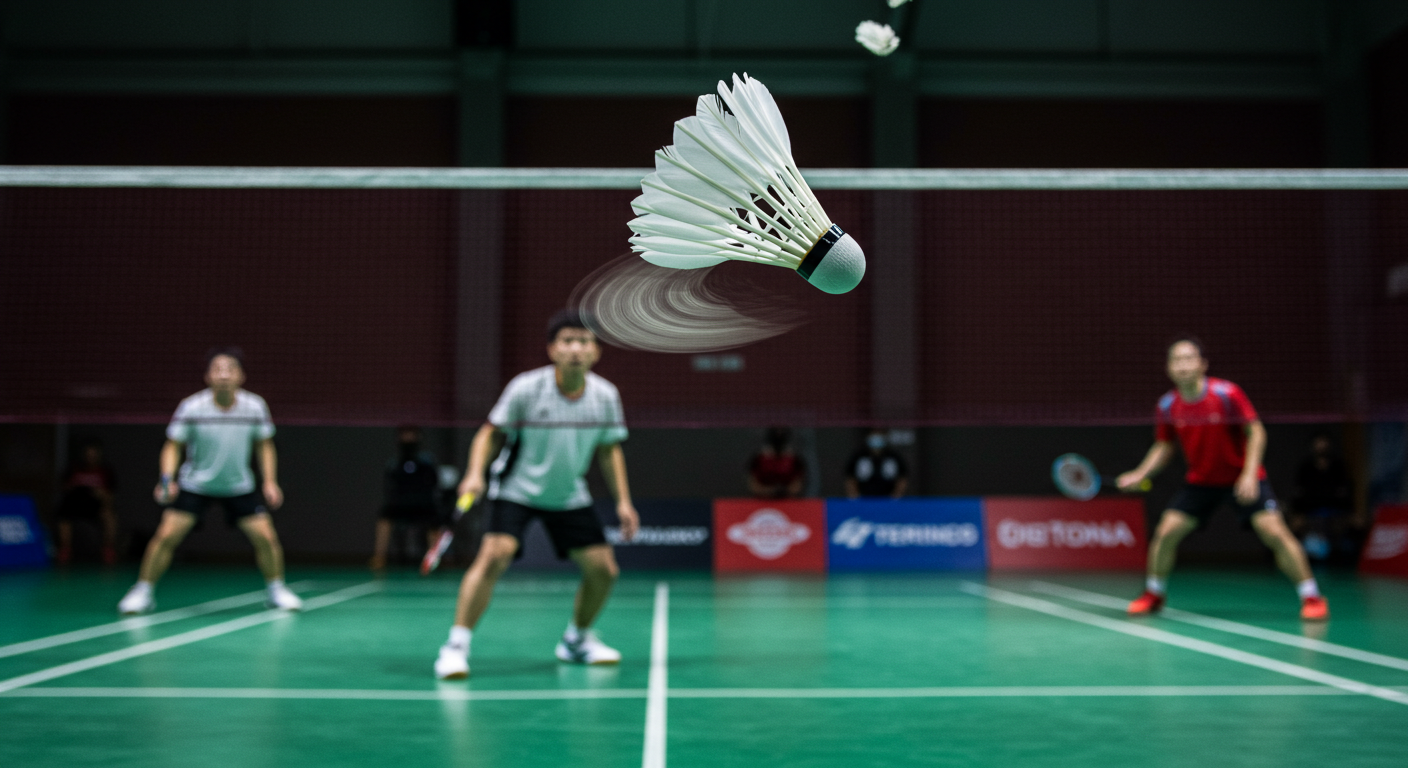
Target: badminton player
217,428
546,427
1223,442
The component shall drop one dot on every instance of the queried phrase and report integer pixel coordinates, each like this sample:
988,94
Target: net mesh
380,305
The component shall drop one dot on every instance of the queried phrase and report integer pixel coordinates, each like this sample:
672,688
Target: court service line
1233,627
1188,643
185,638
137,622
459,694
658,686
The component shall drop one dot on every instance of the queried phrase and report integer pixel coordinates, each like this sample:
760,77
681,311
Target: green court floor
873,670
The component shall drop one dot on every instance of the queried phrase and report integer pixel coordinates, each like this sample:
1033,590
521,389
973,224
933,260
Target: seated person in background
1321,508
876,470
88,486
412,490
776,471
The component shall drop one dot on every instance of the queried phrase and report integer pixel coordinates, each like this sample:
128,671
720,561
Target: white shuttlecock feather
877,38
728,188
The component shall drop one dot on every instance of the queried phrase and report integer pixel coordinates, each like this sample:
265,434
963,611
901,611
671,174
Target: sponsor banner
21,538
905,534
674,534
1386,550
1058,533
762,535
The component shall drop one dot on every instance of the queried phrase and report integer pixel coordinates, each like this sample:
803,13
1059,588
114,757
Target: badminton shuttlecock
879,39
728,188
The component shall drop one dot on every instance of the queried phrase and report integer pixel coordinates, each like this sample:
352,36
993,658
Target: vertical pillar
480,109
894,111
892,268
480,243
1348,122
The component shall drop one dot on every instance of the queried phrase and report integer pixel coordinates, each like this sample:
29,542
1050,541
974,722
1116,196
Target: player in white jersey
546,428
218,429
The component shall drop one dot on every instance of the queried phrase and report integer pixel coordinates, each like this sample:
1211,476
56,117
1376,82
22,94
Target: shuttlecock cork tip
835,264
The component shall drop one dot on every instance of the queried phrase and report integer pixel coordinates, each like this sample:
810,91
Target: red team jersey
1212,431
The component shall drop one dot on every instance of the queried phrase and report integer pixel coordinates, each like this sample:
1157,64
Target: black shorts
1201,501
236,507
570,529
416,514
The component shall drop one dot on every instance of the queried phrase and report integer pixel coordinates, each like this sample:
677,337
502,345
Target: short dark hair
565,318
1186,338
227,351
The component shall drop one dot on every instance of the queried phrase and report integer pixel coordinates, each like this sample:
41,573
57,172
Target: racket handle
464,502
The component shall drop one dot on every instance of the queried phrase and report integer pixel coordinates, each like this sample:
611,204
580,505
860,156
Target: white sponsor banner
768,534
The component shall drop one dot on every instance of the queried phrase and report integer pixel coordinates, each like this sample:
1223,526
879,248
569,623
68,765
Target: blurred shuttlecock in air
879,39
728,188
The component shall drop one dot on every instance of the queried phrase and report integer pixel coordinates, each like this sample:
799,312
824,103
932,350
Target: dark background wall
978,83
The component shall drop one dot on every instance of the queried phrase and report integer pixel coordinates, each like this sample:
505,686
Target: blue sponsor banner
21,538
920,534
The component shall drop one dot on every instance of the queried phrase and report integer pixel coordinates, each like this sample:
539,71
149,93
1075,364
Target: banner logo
1068,534
768,534
1388,541
15,530
660,536
852,534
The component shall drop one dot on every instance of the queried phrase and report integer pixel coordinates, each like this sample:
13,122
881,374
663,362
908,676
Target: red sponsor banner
1062,533
1386,551
761,535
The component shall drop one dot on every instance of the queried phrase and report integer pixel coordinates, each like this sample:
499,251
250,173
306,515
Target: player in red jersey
1223,442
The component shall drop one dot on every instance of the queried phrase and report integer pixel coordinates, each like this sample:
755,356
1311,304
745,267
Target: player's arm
1248,486
169,462
487,442
269,469
612,461
1158,457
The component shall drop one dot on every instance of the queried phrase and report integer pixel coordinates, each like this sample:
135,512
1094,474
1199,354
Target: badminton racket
1077,478
442,542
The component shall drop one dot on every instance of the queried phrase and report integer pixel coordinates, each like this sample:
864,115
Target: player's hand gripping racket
442,543
1076,478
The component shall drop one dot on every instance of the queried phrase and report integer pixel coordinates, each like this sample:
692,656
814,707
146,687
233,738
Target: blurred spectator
776,471
876,470
88,486
1321,509
412,493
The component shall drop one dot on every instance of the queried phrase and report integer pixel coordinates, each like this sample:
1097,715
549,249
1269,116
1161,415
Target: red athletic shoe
1146,604
1315,609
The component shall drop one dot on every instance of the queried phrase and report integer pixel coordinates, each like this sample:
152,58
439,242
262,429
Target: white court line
137,622
185,638
1170,638
459,694
1233,627
659,683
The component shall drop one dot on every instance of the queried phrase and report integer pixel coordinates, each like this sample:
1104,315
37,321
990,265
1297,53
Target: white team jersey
218,442
551,439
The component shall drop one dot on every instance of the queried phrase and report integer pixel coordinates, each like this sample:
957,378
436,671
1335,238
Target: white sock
145,586
274,584
1156,585
1308,588
573,633
459,637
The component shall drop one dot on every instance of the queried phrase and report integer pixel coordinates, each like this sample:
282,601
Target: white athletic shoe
282,598
452,663
139,599
587,650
